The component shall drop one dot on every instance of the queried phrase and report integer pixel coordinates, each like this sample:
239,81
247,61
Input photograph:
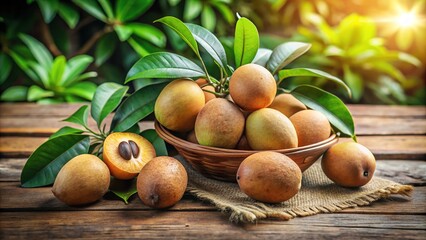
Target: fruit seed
135,148
125,151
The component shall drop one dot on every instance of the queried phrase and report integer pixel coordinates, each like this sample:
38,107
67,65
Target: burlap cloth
317,195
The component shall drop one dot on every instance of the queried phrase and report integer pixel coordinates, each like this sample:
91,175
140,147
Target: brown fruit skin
311,127
252,87
121,168
269,177
287,104
346,163
219,124
162,182
82,180
208,96
178,104
268,129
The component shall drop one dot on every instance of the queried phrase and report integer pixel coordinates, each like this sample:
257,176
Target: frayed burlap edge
257,211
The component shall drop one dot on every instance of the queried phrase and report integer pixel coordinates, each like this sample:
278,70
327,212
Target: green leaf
123,189
284,54
86,76
123,32
141,83
48,9
309,72
174,3
6,65
105,48
208,18
44,164
84,90
226,12
328,104
149,33
136,107
69,14
246,42
127,10
75,66
24,64
79,117
66,131
36,93
164,65
134,129
73,99
107,97
57,71
42,73
139,47
354,82
39,51
158,143
192,9
182,30
14,94
91,7
106,6
262,56
210,43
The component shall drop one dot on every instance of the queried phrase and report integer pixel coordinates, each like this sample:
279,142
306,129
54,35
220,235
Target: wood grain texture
199,225
396,134
387,110
24,109
383,147
404,172
34,126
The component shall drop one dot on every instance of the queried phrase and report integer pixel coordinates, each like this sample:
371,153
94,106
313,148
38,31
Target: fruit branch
48,39
89,44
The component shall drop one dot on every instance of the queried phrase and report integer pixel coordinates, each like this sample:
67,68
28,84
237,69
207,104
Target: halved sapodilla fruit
125,154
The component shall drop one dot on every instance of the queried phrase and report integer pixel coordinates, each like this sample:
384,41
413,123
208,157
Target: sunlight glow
407,19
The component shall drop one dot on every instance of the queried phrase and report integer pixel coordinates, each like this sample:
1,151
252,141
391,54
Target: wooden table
395,134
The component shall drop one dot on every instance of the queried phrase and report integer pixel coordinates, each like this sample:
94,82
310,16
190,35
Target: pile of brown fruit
161,181
252,117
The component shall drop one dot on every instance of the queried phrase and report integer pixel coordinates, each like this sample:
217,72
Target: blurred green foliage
116,33
352,51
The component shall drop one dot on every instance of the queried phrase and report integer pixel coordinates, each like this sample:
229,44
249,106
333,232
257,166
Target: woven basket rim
177,142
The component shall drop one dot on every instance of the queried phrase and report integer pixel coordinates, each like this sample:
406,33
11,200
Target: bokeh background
59,51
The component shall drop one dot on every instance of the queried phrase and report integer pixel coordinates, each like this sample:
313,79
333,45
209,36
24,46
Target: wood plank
363,125
394,147
31,109
383,147
38,110
405,172
14,198
199,225
389,126
34,126
387,110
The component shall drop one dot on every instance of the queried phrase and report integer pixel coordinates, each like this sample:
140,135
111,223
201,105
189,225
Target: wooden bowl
222,164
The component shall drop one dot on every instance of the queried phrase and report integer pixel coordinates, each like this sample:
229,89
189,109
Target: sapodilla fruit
349,164
203,84
219,124
287,104
269,177
126,153
269,129
178,104
162,182
82,180
252,87
311,127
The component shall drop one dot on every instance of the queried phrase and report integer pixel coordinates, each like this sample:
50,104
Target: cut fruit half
125,154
